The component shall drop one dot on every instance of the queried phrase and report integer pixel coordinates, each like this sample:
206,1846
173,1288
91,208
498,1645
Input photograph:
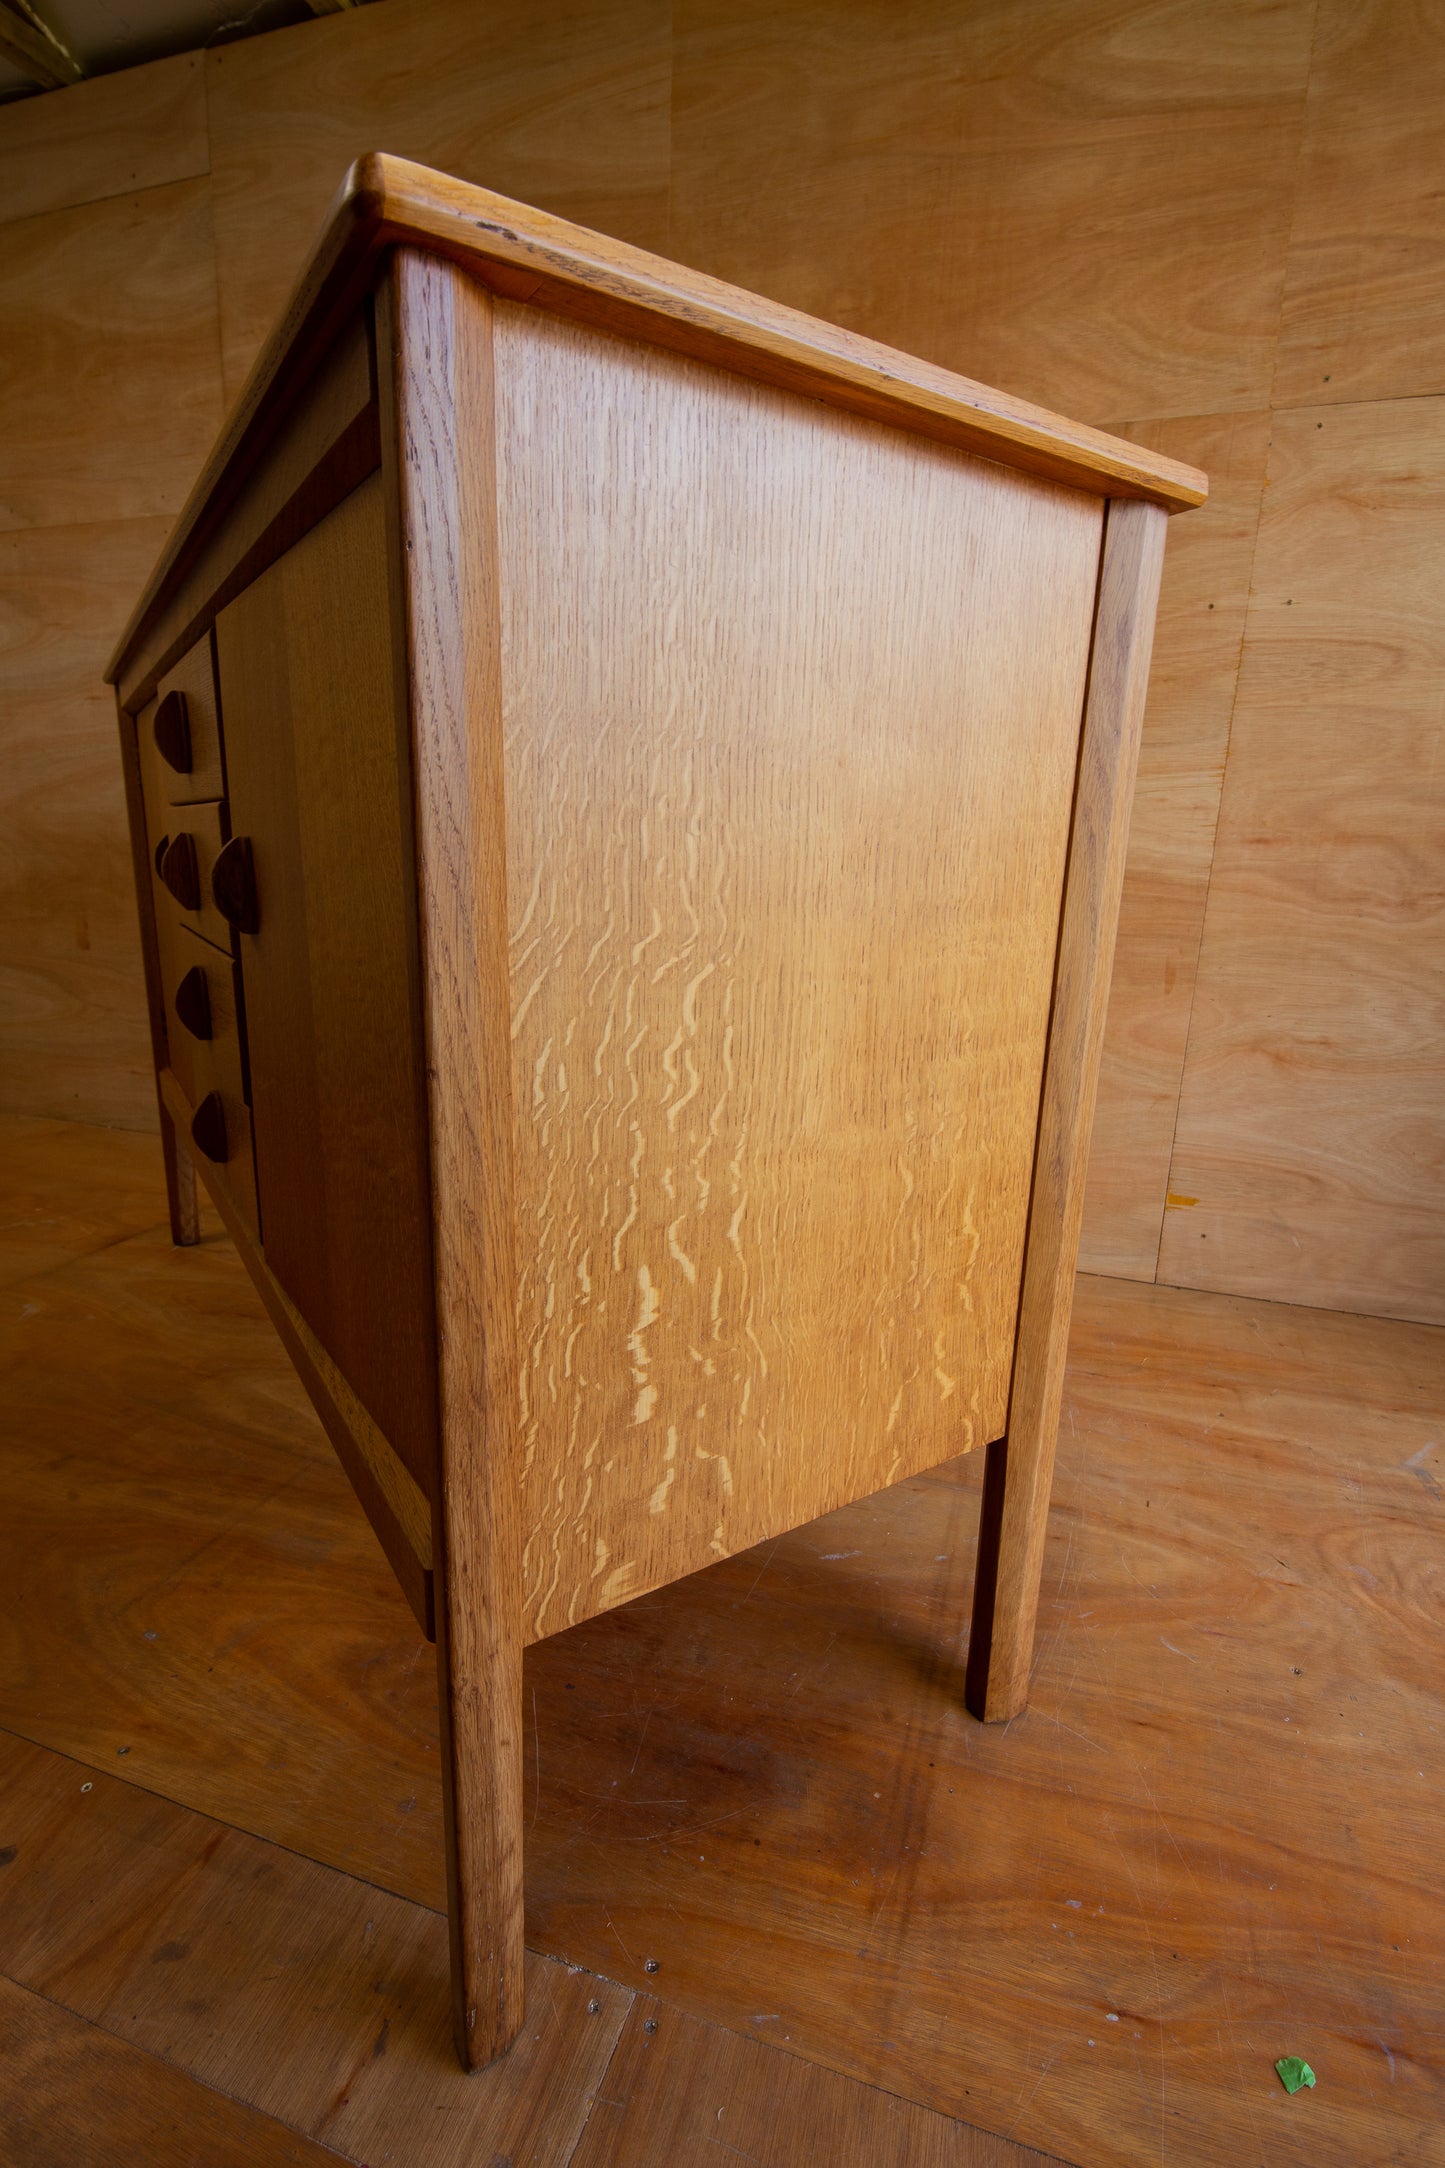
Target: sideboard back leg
180,1185
1018,1472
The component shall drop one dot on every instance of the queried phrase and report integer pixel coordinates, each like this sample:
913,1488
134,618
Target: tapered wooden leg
180,1185
434,334
1018,1473
479,1676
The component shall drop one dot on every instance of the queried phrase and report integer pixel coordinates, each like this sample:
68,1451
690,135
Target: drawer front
184,851
206,1035
180,736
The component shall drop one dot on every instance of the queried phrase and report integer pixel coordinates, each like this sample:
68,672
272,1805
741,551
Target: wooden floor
787,1902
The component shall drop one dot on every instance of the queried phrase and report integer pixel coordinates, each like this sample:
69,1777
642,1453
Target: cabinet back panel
791,708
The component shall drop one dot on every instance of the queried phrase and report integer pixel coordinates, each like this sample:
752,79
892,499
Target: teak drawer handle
181,871
233,885
173,732
193,1002
208,1129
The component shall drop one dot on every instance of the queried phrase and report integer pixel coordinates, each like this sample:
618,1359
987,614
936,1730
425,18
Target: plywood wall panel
1364,314
1312,1121
1088,204
564,105
108,328
73,1036
812,150
106,137
1197,644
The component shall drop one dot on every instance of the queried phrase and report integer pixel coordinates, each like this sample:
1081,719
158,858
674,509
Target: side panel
319,781
792,709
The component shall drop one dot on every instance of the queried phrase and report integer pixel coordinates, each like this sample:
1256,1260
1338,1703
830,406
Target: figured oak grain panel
792,708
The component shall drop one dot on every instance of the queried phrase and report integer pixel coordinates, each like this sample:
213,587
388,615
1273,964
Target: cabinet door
319,783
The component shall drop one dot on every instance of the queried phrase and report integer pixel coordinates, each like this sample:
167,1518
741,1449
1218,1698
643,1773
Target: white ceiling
109,34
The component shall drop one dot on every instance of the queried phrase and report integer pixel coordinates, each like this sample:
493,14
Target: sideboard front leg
479,1678
434,337
1018,1473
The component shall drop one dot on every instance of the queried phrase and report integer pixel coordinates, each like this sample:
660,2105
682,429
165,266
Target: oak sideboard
629,790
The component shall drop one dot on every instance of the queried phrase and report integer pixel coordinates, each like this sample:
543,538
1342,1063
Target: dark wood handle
173,732
193,1002
208,1129
233,884
181,871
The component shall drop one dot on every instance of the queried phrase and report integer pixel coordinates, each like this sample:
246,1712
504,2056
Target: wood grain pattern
311,1997
73,1034
319,779
563,104
1310,1159
194,679
813,156
73,2094
1198,639
1212,1823
1245,1542
1019,1473
445,526
117,134
786,829
525,254
108,322
681,2092
1362,305
1087,203
170,1354
69,1189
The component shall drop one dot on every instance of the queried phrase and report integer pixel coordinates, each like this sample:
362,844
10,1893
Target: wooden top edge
490,232
528,255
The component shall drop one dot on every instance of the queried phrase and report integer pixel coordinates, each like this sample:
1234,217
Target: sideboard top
530,256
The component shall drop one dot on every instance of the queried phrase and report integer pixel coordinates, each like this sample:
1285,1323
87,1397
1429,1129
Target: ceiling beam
31,46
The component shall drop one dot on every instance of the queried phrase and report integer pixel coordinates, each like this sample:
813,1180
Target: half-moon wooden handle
181,871
233,884
173,732
193,1002
208,1129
